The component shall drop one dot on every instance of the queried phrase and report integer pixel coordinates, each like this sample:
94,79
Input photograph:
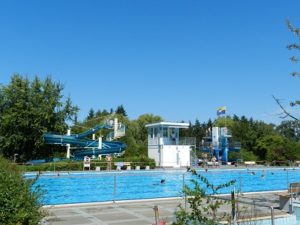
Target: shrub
141,161
19,204
204,206
70,165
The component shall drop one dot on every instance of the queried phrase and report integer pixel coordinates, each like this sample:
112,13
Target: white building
165,146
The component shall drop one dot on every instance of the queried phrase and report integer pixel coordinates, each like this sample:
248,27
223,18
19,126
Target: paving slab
141,212
115,216
69,220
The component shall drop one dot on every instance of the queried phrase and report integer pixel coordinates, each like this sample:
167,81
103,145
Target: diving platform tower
218,143
166,147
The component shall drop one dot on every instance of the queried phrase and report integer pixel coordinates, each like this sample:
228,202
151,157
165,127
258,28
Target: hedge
73,165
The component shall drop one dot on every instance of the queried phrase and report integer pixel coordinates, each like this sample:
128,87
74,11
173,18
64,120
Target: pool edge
140,200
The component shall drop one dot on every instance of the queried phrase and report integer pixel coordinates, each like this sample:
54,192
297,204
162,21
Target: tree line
30,108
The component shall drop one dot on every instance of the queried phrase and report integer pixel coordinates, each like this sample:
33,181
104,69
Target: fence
115,186
168,183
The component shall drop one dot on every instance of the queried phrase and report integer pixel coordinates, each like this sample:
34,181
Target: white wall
153,153
171,155
175,156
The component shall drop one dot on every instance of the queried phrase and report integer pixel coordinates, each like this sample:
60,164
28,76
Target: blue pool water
84,187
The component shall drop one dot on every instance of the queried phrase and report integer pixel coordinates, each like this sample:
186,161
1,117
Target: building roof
168,124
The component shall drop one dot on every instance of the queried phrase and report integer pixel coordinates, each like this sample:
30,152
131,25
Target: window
165,132
172,133
150,132
155,131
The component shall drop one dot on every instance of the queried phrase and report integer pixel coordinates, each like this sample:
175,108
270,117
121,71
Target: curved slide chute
87,147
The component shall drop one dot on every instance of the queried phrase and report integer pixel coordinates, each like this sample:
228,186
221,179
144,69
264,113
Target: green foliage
18,203
120,110
289,129
141,161
91,114
54,166
203,206
224,122
274,147
27,110
198,130
136,135
70,165
247,155
248,131
242,155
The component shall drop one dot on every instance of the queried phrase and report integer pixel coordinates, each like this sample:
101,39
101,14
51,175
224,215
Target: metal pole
233,209
155,208
254,209
272,215
287,178
115,187
240,181
263,205
183,182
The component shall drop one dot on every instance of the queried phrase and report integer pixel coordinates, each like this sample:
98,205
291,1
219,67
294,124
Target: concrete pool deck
142,213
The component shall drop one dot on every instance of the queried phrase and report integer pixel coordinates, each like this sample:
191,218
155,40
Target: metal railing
116,186
76,166
245,212
246,179
252,213
208,145
173,141
187,141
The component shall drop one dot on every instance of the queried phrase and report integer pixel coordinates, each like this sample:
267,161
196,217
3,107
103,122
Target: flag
221,110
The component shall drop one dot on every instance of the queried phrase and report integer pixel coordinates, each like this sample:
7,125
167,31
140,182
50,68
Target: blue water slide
93,130
109,148
85,146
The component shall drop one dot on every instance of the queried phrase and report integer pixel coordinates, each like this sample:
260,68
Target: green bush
55,166
19,204
204,207
141,161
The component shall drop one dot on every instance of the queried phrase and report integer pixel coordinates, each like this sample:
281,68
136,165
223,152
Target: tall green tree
136,134
27,110
289,129
120,110
274,147
91,114
100,113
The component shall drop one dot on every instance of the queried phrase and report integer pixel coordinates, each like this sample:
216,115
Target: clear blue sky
177,59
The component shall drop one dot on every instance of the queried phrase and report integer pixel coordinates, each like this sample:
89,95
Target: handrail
262,205
248,203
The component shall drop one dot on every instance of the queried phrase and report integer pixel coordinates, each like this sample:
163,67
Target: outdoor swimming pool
86,187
